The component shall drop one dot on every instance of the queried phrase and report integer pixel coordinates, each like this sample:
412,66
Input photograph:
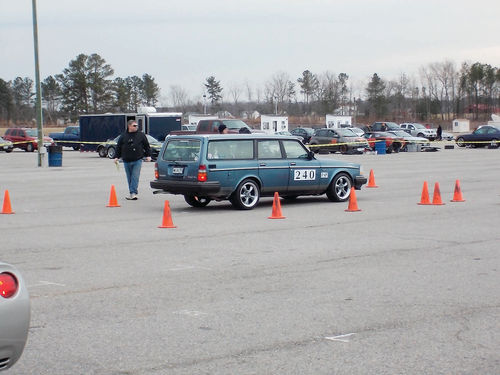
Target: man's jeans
133,171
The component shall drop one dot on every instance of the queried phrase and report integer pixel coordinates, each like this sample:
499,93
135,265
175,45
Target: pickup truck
69,138
212,127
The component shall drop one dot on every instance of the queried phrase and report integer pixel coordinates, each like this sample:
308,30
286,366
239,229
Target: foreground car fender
14,315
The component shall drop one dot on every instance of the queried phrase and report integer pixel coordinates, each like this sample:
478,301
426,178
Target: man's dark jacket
132,146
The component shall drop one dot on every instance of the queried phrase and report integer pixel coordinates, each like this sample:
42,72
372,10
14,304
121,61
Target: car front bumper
359,181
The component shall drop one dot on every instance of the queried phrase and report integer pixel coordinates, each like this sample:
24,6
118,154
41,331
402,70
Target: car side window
269,149
230,149
294,150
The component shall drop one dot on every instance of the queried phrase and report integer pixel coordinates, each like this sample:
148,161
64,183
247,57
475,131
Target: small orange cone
457,196
6,209
276,213
371,180
353,203
167,218
425,195
113,202
436,198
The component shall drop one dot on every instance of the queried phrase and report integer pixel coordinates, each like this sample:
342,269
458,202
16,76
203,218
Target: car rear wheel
340,188
29,147
460,142
101,150
195,201
111,152
343,149
246,196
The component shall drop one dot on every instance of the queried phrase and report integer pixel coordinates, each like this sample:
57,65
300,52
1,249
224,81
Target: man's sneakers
131,197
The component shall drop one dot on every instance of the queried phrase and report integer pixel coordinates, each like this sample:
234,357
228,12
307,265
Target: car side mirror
310,155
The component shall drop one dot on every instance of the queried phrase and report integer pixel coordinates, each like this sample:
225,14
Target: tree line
440,91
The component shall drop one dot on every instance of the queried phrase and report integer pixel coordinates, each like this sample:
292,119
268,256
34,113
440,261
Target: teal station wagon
241,168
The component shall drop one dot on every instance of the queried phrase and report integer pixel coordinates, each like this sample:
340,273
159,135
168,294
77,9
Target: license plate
178,170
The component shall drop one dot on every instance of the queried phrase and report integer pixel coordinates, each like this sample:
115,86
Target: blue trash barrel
55,156
380,147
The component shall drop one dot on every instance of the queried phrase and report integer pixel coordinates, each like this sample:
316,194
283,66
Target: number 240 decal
304,174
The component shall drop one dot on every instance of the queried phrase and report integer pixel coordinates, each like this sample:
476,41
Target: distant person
439,133
132,146
223,129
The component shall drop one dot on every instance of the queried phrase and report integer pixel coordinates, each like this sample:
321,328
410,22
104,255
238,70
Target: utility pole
39,118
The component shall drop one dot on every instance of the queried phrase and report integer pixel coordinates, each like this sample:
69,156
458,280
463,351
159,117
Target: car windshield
182,150
235,124
400,133
32,132
419,126
346,133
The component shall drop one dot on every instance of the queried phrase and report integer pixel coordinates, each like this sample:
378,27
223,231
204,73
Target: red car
25,138
392,142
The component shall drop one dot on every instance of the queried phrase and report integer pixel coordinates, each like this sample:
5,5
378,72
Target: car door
273,168
304,171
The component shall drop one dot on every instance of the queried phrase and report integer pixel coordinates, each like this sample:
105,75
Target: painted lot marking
45,283
341,338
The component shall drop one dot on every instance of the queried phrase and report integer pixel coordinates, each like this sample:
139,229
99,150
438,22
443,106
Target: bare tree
179,97
279,90
234,91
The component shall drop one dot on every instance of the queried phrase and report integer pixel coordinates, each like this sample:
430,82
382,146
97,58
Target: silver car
14,315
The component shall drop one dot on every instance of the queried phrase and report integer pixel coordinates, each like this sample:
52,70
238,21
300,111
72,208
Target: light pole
39,117
204,104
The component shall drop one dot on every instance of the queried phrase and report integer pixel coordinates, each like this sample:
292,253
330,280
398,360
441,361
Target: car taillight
202,173
157,174
8,285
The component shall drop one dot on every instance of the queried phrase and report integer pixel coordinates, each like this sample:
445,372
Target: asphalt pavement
396,288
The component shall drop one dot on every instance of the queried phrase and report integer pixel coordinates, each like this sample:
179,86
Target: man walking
132,146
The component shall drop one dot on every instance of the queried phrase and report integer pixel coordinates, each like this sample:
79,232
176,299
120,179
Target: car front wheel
29,147
460,142
111,152
246,196
340,188
195,201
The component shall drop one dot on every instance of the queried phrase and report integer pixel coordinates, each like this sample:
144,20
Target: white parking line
45,283
340,338
190,313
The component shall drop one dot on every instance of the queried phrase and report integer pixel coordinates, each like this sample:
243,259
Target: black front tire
30,147
246,195
111,152
460,142
101,150
195,201
340,188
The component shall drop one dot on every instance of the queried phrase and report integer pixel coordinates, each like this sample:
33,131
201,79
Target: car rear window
182,150
230,149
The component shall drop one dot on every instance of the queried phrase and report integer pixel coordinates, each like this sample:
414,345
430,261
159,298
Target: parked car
188,127
481,137
445,136
332,140
410,139
382,126
5,145
14,315
359,131
25,138
242,168
393,143
108,148
305,133
288,134
419,130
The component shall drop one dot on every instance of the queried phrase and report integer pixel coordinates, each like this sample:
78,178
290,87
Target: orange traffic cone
457,196
167,218
425,195
371,180
436,198
6,209
113,202
276,213
353,203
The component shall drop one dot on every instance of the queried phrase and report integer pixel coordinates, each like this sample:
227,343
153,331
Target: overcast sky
184,42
